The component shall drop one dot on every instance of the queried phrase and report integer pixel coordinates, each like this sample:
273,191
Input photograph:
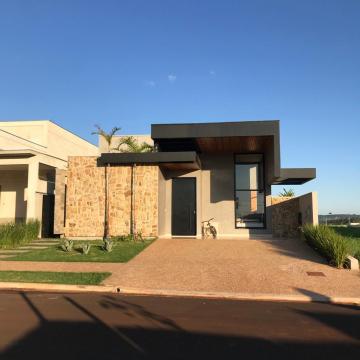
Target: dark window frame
259,190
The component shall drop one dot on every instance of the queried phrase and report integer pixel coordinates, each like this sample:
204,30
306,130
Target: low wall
85,199
289,213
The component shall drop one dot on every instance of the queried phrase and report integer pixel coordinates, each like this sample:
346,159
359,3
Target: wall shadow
95,339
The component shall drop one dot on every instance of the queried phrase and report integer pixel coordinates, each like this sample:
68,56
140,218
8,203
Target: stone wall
85,199
60,210
290,213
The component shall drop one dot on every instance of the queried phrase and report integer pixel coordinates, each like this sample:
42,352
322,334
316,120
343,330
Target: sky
133,63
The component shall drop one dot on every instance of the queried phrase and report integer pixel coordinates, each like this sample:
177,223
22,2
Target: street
101,326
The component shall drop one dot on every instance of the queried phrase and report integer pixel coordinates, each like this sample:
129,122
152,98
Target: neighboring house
197,172
30,154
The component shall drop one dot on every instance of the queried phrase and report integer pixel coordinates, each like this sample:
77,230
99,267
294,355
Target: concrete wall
85,199
215,197
12,195
43,136
289,213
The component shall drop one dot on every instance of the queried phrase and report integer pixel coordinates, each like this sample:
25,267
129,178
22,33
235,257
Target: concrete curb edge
176,293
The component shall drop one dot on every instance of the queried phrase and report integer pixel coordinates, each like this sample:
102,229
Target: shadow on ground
95,339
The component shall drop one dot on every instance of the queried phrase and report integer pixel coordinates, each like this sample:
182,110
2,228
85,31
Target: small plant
67,245
287,193
327,242
85,248
108,245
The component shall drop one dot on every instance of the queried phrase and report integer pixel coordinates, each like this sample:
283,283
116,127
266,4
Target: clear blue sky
133,63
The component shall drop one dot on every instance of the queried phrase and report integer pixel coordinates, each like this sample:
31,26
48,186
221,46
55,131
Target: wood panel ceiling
242,144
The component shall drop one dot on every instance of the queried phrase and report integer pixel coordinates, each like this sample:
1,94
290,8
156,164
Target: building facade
197,172
30,154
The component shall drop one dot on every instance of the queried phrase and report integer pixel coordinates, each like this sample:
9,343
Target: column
33,177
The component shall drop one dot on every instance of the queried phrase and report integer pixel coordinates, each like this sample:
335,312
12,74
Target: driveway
279,267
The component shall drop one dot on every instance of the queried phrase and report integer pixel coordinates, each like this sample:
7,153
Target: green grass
122,252
48,277
13,235
352,238
326,242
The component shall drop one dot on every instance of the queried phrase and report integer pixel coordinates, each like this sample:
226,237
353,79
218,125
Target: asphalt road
92,326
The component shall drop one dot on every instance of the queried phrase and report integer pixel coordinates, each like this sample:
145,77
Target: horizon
130,64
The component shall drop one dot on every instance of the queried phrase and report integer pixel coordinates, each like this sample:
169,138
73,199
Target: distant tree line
339,219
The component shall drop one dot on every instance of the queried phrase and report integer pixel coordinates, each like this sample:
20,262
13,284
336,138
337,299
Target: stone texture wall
59,213
285,216
85,200
289,213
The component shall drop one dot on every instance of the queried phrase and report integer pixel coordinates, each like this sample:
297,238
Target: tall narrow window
249,193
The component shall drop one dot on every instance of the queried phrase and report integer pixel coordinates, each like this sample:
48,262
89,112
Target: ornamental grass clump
108,245
17,234
67,245
327,243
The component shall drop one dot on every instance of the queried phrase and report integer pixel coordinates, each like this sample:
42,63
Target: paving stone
9,251
29,247
2,256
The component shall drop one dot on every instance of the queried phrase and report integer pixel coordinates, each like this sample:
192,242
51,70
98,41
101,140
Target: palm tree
108,137
129,144
287,193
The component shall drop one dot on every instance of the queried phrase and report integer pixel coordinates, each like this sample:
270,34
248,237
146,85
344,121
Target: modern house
197,171
30,154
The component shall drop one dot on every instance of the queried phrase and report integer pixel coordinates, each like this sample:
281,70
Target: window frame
260,180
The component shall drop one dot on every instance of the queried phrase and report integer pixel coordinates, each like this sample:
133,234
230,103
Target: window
249,192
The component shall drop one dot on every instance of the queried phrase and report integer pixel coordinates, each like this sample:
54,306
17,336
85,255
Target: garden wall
289,213
85,199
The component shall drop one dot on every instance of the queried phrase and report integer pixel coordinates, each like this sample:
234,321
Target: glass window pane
246,176
249,209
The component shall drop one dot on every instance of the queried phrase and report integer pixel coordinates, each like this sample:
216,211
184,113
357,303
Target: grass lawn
122,252
352,237
48,277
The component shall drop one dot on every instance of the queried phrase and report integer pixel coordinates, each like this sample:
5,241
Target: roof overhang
188,160
16,154
222,137
295,176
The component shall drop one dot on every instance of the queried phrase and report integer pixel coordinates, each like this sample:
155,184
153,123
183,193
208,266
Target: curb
241,296
107,289
57,287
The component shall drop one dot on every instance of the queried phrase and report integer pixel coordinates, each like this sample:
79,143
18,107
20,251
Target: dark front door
47,222
184,206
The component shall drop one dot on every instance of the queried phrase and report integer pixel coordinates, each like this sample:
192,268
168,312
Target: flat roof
295,176
184,159
215,129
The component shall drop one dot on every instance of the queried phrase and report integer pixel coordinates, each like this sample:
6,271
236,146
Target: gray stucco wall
215,196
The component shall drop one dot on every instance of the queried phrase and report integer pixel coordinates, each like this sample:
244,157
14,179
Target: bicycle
208,229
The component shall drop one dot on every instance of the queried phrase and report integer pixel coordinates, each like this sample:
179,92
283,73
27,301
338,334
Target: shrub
85,248
357,255
327,242
130,237
67,245
16,234
108,245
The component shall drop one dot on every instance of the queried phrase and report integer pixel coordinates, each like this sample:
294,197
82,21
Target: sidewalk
243,269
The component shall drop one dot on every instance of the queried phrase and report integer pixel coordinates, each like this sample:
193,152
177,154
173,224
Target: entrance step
32,247
2,256
43,243
9,251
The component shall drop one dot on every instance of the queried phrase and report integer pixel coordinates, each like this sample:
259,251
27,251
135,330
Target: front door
184,206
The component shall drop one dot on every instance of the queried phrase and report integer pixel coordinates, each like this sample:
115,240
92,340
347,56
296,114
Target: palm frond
107,136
